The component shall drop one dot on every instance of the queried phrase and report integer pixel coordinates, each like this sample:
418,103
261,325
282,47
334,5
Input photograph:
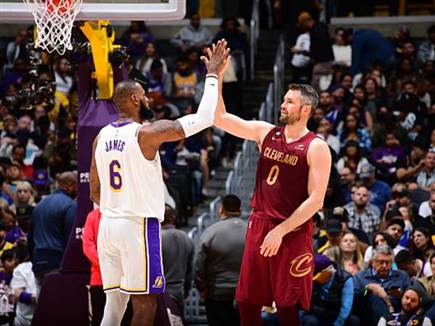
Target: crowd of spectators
376,112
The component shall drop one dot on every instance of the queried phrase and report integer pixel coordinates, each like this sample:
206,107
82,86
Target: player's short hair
122,91
309,95
231,205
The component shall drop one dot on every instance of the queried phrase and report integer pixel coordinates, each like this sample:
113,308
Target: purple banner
93,115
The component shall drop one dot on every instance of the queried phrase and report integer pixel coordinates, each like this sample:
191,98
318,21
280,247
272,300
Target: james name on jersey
115,145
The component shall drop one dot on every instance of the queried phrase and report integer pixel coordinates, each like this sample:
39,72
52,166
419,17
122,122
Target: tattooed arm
160,131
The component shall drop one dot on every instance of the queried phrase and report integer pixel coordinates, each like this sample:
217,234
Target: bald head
67,181
67,178
170,216
123,91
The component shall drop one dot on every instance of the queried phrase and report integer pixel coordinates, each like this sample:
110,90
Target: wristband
25,297
212,75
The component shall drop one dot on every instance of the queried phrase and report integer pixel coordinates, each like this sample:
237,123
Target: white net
54,20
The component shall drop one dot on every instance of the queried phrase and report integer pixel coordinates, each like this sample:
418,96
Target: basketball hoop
54,20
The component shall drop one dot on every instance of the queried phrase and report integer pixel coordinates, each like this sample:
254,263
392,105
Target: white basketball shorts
129,252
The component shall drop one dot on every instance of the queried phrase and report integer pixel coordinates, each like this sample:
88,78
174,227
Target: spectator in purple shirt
386,158
14,232
136,38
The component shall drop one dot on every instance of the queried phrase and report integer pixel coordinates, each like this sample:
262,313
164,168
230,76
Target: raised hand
217,57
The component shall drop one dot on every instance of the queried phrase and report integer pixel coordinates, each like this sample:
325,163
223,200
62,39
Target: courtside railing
214,208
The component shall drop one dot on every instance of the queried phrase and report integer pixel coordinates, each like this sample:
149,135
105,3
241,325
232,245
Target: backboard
114,10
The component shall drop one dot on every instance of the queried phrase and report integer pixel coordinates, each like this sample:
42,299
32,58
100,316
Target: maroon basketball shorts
285,278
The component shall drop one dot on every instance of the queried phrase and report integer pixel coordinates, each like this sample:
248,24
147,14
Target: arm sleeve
203,118
90,238
346,303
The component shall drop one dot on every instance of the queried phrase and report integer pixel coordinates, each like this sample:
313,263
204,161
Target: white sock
116,303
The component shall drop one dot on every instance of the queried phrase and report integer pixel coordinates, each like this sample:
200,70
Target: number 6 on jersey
115,175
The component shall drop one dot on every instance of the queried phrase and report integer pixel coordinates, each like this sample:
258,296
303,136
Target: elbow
218,120
319,206
317,203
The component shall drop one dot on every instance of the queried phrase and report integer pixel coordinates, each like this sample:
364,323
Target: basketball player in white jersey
126,182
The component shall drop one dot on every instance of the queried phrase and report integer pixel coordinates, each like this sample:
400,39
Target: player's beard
145,113
291,119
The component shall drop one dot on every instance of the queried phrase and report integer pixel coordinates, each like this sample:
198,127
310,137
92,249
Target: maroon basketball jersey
282,174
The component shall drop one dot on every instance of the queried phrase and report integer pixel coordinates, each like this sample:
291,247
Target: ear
307,109
134,98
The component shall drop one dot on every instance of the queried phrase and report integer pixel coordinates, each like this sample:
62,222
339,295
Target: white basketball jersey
131,185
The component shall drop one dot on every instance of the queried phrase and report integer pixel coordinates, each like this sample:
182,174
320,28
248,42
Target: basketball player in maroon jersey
292,177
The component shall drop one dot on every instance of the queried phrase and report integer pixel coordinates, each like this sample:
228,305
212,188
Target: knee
144,303
377,309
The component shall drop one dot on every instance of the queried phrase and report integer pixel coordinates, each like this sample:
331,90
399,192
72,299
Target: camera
118,56
38,91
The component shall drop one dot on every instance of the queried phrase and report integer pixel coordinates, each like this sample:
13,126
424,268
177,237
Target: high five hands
217,57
